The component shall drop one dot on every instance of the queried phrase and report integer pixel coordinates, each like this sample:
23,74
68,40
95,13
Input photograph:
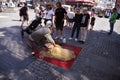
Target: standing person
24,11
77,19
48,13
84,25
92,22
37,10
112,20
60,15
70,16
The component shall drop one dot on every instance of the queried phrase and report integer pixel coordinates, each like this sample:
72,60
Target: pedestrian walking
24,11
84,25
92,21
77,23
60,15
112,20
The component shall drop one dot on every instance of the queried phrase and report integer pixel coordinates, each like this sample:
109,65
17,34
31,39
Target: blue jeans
111,27
76,27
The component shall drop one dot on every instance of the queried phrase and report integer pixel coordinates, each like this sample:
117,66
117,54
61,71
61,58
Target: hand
54,45
49,45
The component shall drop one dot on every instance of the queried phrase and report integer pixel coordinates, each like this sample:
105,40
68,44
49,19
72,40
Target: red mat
63,64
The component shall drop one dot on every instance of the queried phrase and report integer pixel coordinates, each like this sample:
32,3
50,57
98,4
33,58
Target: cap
48,23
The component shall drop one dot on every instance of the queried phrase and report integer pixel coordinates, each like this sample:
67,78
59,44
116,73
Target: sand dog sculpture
57,52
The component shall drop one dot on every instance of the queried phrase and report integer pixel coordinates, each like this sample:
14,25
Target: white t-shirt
48,14
70,14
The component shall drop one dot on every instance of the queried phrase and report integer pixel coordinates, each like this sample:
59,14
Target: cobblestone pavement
98,60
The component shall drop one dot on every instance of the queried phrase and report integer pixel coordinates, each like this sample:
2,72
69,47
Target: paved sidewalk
98,60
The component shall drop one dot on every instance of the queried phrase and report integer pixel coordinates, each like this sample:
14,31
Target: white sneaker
70,38
76,39
33,53
56,37
61,37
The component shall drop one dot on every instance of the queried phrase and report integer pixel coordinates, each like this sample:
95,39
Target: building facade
105,3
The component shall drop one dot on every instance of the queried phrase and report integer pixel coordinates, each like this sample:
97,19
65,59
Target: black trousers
76,28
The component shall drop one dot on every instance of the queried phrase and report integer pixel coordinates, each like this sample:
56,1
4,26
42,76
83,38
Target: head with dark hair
25,4
114,10
77,10
48,7
58,4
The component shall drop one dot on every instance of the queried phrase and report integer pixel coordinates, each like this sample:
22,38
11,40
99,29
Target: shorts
25,18
59,25
70,20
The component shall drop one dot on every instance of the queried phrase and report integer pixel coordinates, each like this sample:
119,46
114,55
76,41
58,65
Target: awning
85,1
3,0
22,0
118,2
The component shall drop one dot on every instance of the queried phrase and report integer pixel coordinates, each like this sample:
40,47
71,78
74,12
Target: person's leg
20,18
61,29
71,24
23,21
45,21
20,14
61,33
73,30
57,29
78,30
67,22
91,27
111,28
27,19
84,34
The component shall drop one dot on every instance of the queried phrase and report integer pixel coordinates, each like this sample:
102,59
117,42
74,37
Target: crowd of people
79,20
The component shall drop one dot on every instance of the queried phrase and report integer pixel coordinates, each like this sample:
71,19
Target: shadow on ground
98,60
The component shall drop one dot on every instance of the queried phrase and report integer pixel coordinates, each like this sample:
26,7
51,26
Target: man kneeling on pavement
42,40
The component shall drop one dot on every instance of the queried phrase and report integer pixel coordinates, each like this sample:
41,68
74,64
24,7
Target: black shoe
90,29
109,33
81,42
